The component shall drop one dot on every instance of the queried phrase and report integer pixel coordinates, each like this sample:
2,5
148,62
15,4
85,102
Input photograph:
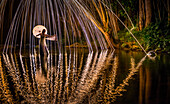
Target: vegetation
151,19
154,37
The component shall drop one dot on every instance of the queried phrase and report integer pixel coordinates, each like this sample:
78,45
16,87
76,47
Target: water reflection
74,77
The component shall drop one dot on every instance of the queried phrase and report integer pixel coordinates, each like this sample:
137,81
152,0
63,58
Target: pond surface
79,77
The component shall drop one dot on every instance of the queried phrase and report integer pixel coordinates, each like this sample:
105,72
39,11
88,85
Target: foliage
154,37
131,7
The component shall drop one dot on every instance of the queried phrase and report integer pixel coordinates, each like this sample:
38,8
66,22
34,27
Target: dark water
80,77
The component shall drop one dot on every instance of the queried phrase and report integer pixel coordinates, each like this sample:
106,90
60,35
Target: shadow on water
81,77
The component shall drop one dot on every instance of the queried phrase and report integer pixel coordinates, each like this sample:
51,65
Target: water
80,77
